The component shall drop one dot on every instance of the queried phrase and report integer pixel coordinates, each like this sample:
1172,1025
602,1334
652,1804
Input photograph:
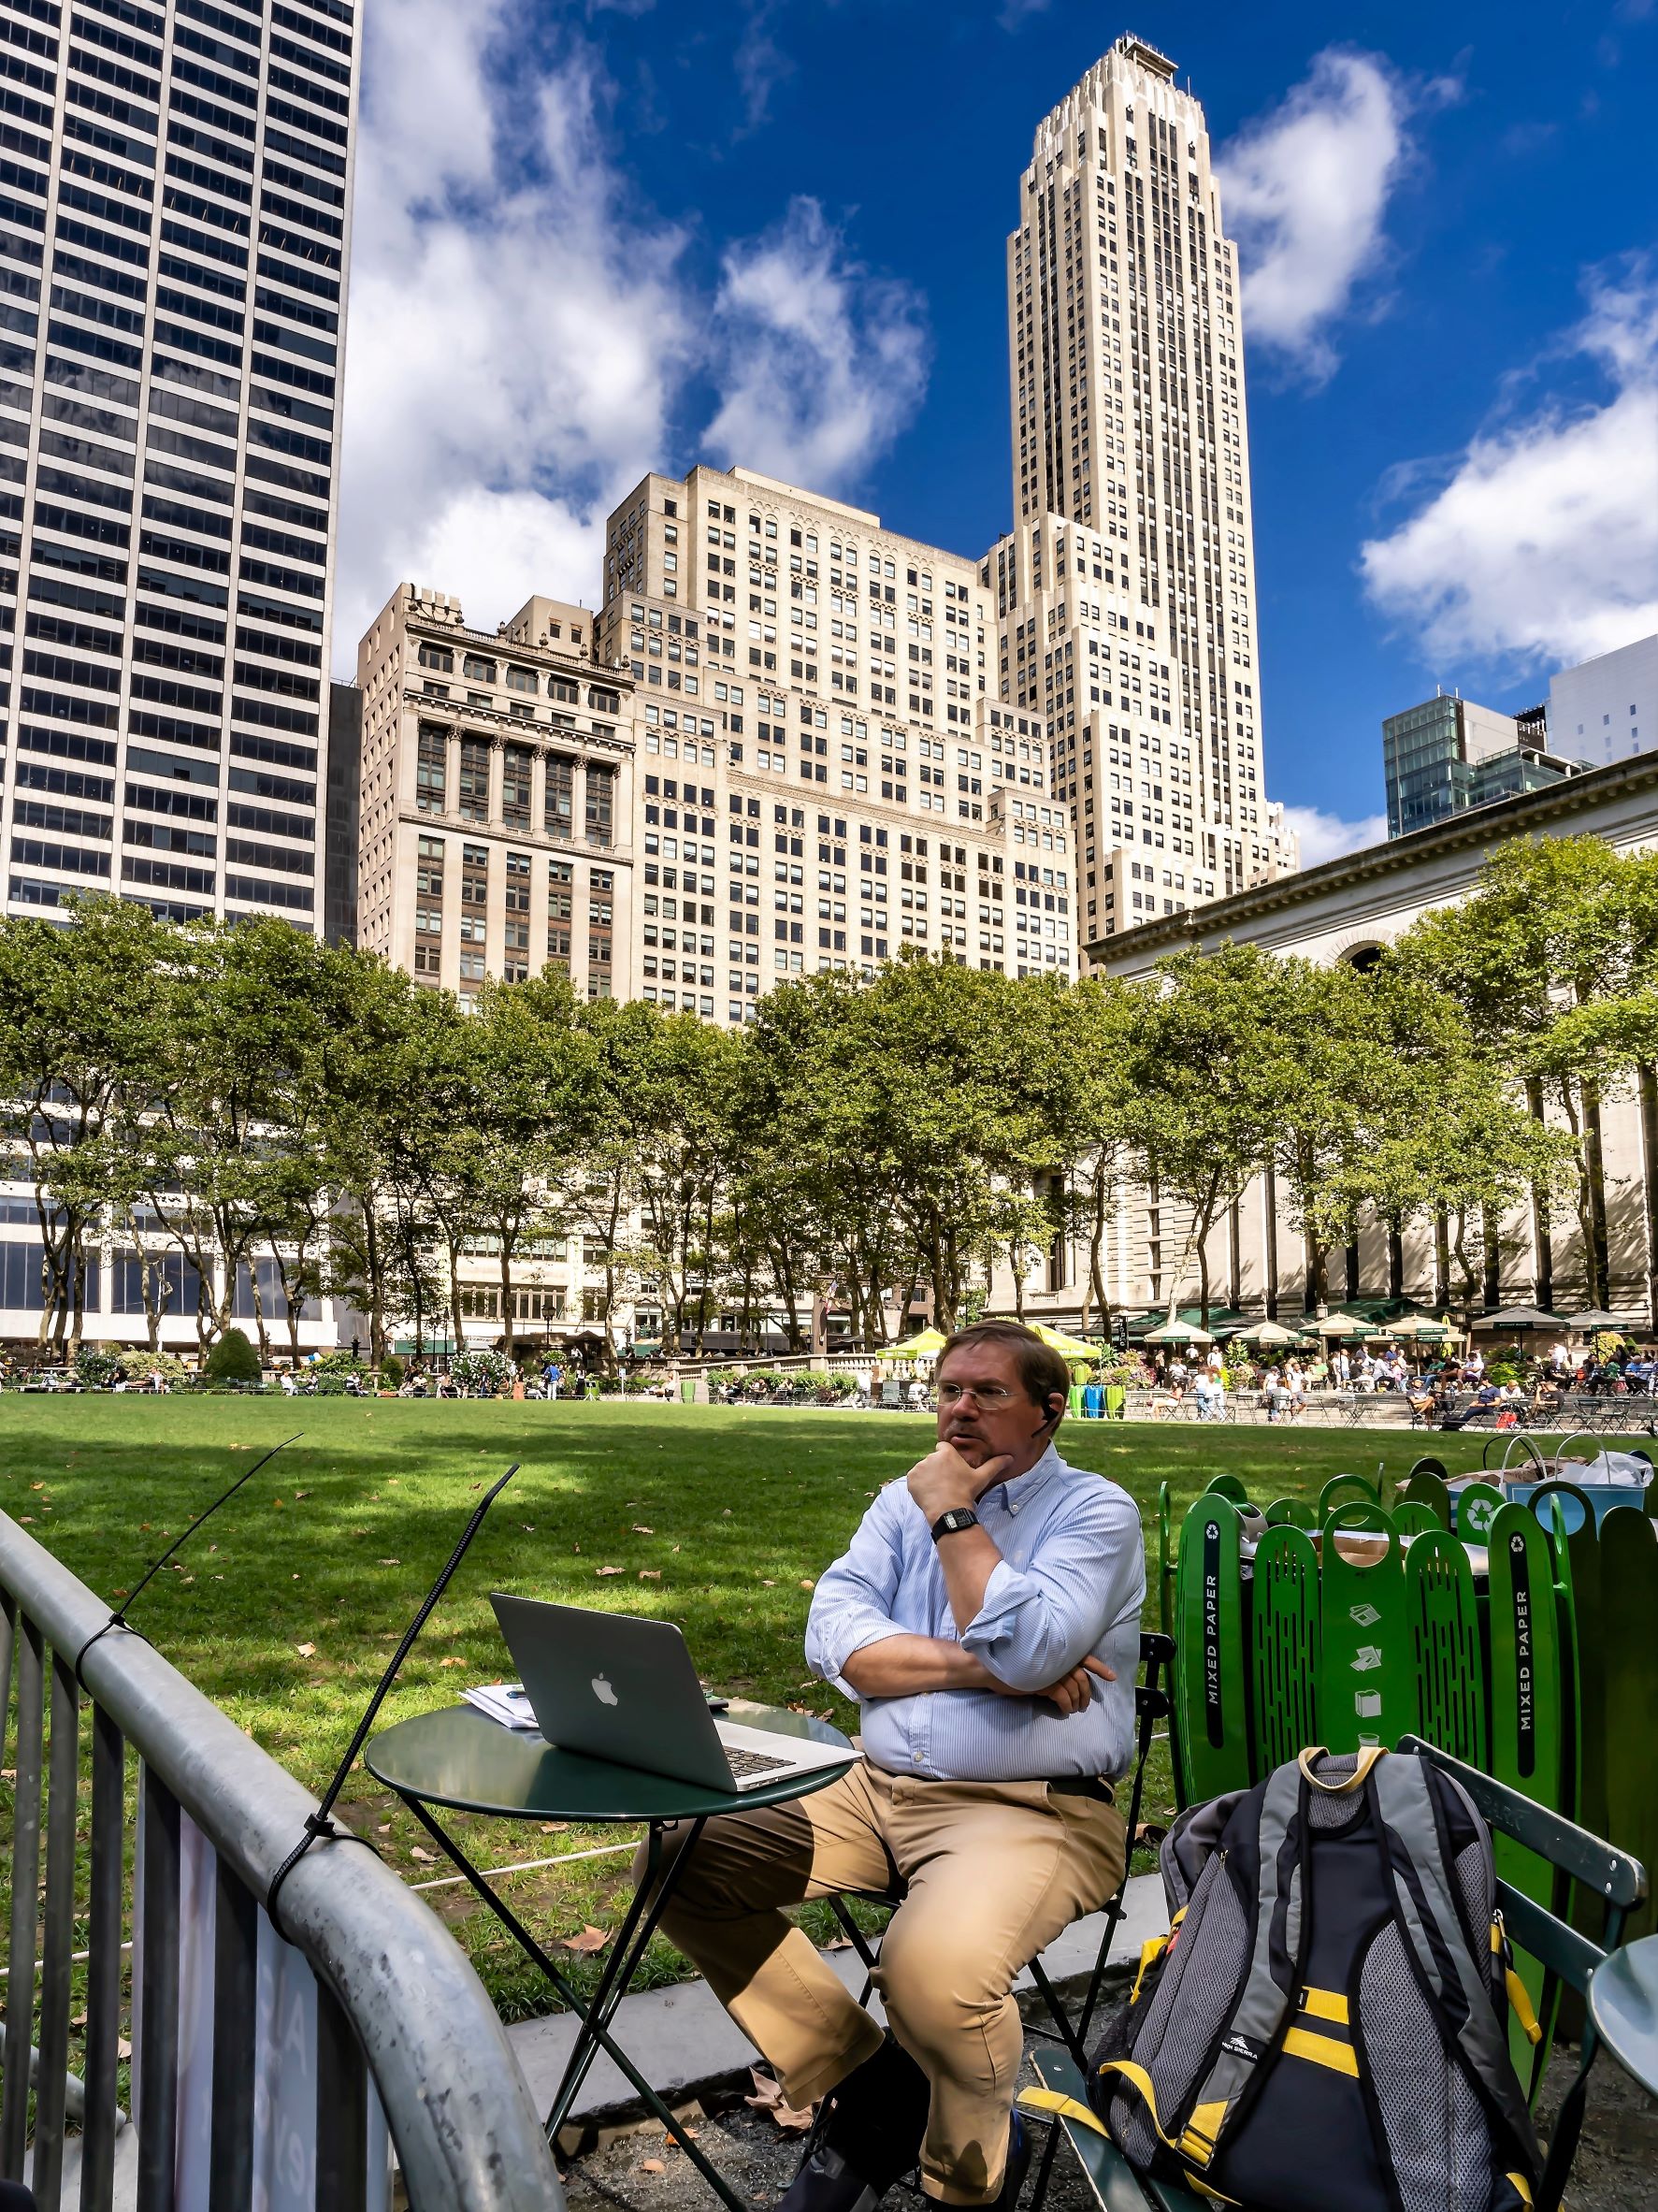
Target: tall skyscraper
175,215
1126,590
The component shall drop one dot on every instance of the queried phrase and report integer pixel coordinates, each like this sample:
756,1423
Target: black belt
1085,1786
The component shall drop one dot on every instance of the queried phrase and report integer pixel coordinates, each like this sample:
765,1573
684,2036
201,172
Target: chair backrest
1617,1879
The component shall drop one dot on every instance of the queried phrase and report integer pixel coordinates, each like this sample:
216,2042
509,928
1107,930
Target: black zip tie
118,1619
320,1823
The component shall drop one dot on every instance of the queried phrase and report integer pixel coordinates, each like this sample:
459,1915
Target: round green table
1623,2006
462,1761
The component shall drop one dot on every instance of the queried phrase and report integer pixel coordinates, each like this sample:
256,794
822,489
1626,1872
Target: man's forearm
904,1666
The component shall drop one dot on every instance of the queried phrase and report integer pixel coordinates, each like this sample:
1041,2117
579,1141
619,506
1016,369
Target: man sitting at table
987,1617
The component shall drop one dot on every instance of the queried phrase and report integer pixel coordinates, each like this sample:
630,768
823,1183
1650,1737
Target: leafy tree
1559,932
77,1033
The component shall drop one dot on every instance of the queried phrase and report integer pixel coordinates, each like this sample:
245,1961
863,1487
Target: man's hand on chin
946,1478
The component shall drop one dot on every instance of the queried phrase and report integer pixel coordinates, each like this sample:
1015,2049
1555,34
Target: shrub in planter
480,1369
138,1366
391,1371
98,1365
232,1359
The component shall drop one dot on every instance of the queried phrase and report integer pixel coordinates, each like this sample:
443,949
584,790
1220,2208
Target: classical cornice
1550,811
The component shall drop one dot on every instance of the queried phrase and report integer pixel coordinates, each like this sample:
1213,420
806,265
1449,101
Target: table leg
593,2034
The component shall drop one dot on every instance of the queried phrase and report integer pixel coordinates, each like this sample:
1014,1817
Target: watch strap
954,1521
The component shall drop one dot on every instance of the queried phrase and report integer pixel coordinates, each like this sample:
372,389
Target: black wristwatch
958,1517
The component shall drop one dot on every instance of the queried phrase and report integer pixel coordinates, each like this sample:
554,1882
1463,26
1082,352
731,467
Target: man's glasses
990,1398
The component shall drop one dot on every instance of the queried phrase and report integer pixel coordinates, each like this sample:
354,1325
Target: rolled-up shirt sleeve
852,1605
1038,1622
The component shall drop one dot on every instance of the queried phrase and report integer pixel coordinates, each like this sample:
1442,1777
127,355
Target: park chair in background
1570,1957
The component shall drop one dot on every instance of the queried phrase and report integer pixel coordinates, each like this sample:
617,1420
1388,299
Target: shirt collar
1014,1495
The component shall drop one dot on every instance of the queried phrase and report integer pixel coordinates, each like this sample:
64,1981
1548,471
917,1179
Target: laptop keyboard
754,1762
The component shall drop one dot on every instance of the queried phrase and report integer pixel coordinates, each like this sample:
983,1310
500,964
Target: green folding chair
1599,1869
1619,1880
1153,1704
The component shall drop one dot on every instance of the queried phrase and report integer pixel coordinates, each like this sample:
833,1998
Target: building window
521,679
477,670
601,785
473,798
435,657
429,769
515,786
561,796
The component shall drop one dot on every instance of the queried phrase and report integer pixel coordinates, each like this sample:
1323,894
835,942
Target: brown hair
1041,1368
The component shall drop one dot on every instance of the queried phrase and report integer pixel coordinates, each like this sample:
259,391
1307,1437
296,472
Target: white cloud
523,339
823,363
1305,191
516,333
1541,543
1327,836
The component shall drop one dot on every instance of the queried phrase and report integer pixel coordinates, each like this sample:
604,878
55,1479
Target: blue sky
601,238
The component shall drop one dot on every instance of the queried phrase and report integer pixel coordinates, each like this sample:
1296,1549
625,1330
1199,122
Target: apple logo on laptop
602,1690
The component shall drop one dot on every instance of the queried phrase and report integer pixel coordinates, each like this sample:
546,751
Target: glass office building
1447,755
175,215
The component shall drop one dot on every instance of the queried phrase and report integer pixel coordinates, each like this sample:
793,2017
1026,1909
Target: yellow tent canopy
1067,1347
924,1344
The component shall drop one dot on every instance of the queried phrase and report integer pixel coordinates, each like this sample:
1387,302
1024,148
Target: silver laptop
626,1689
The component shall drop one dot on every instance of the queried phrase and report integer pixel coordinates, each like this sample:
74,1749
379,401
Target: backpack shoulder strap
1433,1927
1275,1961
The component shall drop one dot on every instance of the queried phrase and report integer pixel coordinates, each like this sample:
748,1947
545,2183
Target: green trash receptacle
1115,1398
1074,1399
687,1392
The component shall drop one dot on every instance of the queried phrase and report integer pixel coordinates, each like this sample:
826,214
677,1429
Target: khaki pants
991,1872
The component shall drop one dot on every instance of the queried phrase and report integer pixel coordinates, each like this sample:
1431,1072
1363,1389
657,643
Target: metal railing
263,2070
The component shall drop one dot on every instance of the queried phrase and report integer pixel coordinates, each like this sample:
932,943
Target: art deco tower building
1126,590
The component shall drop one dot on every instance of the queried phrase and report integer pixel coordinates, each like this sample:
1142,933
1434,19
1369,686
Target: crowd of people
1437,1382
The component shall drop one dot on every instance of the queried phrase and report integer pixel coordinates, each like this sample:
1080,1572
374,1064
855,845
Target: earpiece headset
1051,1422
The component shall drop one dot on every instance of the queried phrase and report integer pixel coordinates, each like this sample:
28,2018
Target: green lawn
716,1518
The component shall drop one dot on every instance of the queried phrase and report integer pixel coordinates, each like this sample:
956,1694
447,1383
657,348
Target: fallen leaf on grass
840,1942
299,1494
390,1563
639,1529
590,1939
807,1584
599,1570
306,1650
650,1574
769,2099
122,2048
767,1583
424,1857
385,1828
452,1660
554,1828
652,2166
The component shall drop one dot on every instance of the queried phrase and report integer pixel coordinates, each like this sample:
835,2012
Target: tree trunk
1492,1255
1542,1229
374,1270
1441,1259
1396,1262
452,1247
1270,1209
1598,1256
1234,1244
1647,1077
1355,1289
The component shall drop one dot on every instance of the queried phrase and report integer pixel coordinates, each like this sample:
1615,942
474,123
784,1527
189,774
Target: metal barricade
265,2071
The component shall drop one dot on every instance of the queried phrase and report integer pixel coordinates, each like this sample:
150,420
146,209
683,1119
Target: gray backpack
1326,2023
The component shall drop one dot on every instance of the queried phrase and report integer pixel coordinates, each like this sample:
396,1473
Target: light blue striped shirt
1071,1580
